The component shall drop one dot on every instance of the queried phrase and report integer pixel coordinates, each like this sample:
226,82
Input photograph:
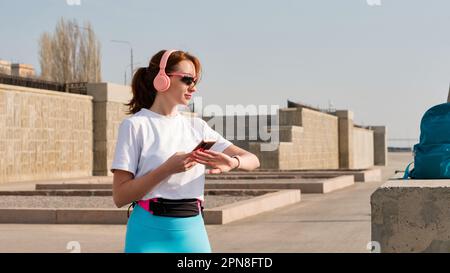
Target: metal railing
402,143
76,88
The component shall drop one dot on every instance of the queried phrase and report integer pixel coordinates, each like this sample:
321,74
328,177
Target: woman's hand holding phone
204,145
219,162
179,162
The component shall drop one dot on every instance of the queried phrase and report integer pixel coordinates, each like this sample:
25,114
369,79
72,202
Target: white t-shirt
147,139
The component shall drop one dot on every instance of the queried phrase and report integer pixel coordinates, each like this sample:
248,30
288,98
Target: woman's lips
187,96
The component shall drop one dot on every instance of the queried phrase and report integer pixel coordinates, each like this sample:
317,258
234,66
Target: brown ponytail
144,93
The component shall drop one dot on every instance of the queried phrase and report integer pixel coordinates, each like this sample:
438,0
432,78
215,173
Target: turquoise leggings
149,233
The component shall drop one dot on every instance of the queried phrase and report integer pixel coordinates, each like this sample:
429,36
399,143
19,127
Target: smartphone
204,145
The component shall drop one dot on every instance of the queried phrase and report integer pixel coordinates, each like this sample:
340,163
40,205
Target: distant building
18,70
5,67
23,70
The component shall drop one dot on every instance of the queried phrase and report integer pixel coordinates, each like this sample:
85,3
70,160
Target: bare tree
45,57
71,54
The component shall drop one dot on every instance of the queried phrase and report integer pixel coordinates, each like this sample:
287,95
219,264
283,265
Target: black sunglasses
189,80
185,78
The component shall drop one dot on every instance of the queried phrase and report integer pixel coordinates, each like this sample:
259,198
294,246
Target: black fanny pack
170,207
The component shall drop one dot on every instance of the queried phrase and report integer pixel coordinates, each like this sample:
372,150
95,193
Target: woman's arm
247,160
126,189
223,162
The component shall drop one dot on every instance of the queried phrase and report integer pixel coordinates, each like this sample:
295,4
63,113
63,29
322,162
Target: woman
154,162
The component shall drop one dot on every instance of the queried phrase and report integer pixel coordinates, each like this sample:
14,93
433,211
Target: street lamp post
131,76
131,51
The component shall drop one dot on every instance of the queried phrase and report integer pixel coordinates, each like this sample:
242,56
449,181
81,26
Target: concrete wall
412,216
44,134
47,134
363,148
308,140
316,147
109,111
311,139
242,129
358,146
379,145
345,132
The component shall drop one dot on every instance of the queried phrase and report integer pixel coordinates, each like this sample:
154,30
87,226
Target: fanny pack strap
145,204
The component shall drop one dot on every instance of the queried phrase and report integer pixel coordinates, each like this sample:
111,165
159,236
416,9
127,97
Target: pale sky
386,63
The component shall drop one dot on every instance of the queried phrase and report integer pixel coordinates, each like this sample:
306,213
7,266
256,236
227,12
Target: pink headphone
162,81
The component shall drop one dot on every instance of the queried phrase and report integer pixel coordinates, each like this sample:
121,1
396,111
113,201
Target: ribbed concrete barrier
364,175
75,186
63,216
309,184
220,215
306,186
88,179
412,216
90,192
250,177
57,193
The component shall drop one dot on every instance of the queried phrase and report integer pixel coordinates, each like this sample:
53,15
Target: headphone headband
162,81
165,58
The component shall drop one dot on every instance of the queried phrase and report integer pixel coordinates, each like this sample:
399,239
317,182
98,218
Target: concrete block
371,175
102,92
91,216
290,116
345,136
345,114
220,215
267,159
337,183
239,210
412,216
363,148
380,145
27,216
327,185
322,185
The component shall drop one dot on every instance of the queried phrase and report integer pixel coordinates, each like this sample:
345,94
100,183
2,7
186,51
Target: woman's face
180,92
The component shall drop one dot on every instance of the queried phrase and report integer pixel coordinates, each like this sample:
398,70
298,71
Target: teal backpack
432,153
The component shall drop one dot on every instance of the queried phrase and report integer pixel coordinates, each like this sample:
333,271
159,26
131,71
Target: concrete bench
412,216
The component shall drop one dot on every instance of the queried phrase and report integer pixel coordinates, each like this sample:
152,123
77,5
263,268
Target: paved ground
333,222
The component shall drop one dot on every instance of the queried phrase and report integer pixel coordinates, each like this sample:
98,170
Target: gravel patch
211,201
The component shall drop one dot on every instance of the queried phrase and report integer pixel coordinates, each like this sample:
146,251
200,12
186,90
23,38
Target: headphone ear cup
161,82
